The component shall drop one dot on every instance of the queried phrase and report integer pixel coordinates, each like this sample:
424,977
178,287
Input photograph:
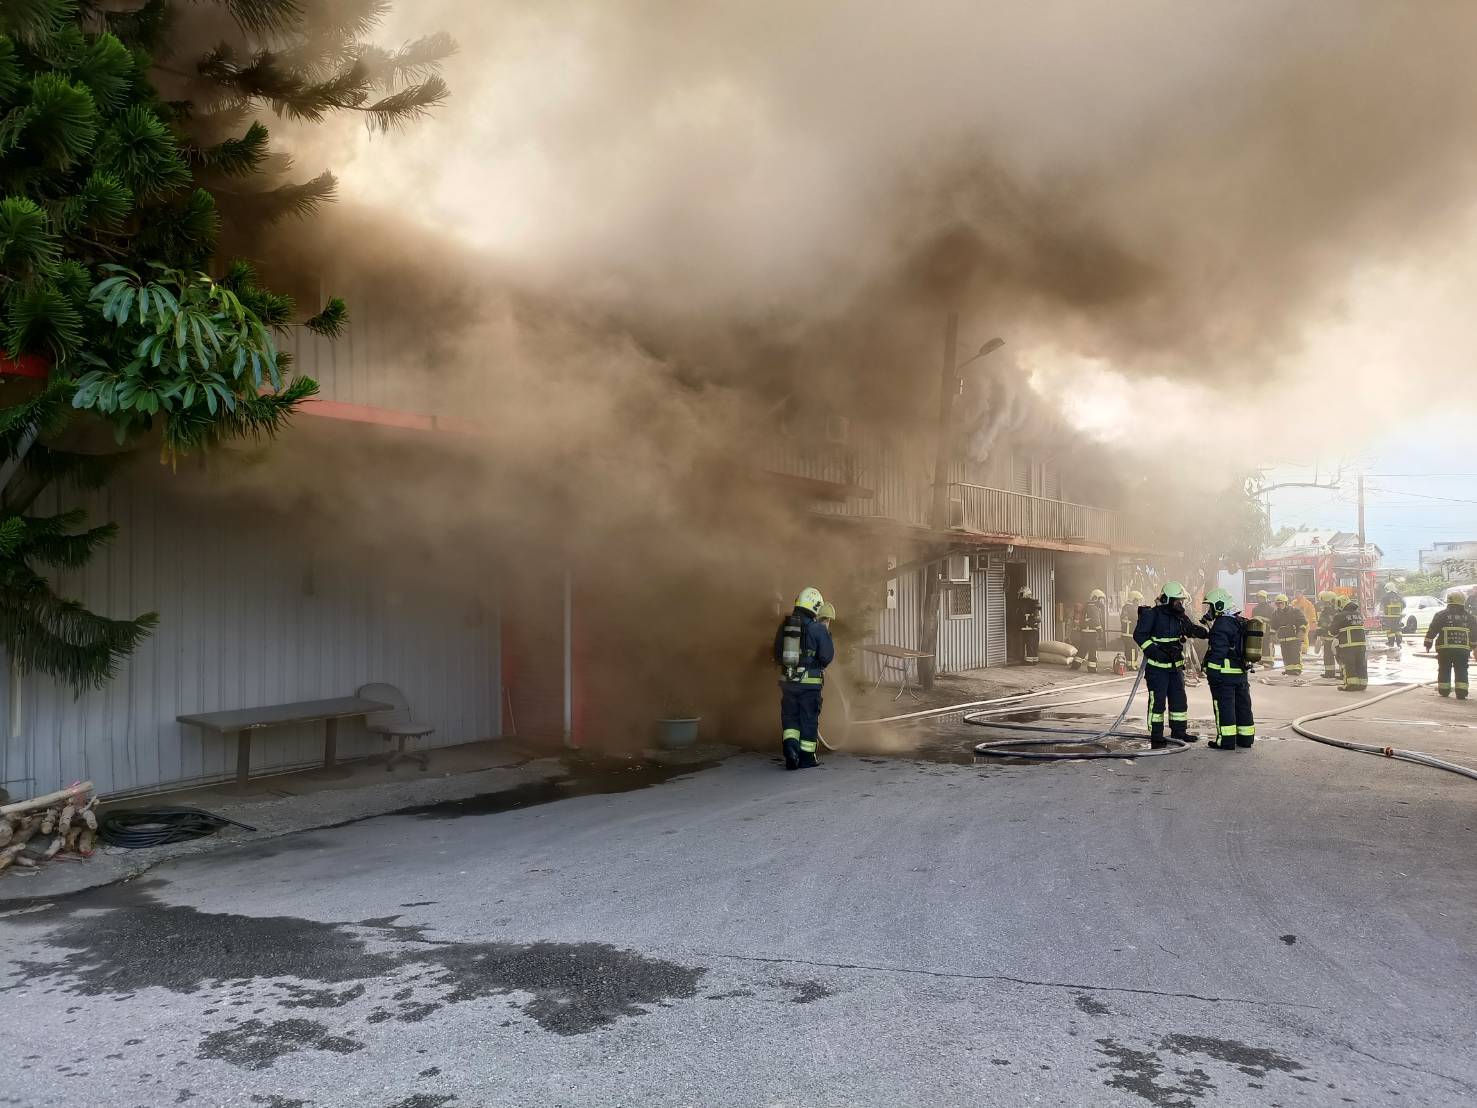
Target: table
243,721
895,658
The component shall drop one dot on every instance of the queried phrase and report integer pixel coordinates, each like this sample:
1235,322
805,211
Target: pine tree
122,156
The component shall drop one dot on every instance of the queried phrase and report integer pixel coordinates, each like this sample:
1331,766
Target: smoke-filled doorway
1015,580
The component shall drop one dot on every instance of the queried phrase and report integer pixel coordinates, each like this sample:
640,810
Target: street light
989,348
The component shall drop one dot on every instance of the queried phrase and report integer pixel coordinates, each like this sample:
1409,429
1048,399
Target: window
961,601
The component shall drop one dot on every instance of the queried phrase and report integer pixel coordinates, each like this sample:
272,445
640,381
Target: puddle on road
586,777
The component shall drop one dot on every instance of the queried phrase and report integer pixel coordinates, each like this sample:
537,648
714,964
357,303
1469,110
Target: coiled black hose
136,828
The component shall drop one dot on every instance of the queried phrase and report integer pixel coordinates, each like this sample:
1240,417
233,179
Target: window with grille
961,601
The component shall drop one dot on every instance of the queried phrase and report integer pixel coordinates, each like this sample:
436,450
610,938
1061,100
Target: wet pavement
1287,925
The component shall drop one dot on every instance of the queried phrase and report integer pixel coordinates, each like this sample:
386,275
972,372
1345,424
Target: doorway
1015,580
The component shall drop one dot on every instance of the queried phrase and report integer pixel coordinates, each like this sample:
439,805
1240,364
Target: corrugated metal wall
246,619
962,641
1041,576
995,610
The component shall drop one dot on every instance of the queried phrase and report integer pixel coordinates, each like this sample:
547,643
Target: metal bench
243,721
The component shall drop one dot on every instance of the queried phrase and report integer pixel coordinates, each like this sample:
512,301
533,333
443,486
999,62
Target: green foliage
1423,584
112,202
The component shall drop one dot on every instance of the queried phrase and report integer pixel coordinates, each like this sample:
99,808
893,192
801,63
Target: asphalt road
1290,925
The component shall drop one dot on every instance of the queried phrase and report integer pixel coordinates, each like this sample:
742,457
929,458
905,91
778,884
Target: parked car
1419,611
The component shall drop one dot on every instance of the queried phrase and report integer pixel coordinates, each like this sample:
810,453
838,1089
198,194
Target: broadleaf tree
125,151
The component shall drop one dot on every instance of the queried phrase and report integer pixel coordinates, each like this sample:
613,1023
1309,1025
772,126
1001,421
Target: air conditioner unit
956,511
838,428
982,562
957,569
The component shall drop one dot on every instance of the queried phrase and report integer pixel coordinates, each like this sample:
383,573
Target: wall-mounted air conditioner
957,569
982,562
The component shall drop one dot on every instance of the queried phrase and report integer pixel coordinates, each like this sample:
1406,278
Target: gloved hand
1428,645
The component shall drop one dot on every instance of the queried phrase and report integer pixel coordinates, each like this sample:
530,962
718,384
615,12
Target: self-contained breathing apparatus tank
1251,646
790,648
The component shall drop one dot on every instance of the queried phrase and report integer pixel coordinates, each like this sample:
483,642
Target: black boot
1186,737
807,761
791,750
1157,742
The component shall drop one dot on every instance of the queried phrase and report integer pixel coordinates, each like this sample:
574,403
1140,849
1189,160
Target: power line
1423,496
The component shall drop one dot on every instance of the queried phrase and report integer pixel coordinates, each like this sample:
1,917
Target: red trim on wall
27,365
387,417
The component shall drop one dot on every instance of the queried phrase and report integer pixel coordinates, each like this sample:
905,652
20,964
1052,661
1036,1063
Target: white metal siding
246,619
995,611
1041,576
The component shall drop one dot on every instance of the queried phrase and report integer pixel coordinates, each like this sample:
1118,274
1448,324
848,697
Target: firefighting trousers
1392,633
1130,650
1292,655
1028,640
800,717
1167,700
1330,656
1231,698
1087,644
1452,662
1356,668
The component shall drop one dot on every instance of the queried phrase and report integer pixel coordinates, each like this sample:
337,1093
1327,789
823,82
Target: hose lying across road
1419,758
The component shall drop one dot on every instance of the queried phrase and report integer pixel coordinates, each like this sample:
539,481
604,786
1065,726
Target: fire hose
1418,757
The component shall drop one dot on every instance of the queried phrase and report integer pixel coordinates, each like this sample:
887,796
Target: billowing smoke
642,237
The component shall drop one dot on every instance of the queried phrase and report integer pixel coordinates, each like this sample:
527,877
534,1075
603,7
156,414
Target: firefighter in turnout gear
1027,625
1263,608
1454,632
1348,634
1160,633
1226,667
1392,616
1328,610
802,650
1128,619
1090,631
1289,626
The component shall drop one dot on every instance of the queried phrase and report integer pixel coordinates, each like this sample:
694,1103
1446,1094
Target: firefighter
1226,668
1392,616
1454,631
1027,624
1310,616
1290,627
1160,633
802,650
1328,610
1090,630
1128,619
1348,633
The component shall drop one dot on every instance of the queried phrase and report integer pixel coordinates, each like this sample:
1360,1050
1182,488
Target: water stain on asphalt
807,991
255,1044
1143,1072
566,988
1090,1004
587,777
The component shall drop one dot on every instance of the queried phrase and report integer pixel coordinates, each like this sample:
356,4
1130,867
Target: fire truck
1311,562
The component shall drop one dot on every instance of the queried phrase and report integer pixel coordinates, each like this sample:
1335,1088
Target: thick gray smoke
640,229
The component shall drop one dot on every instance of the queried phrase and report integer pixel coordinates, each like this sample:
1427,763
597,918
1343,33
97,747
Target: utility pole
943,459
1361,519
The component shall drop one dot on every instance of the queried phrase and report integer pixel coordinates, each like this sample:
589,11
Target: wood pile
59,824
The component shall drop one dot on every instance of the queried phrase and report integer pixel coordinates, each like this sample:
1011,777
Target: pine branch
42,413
102,203
33,21
106,69
62,121
28,246
40,318
255,416
270,205
331,321
398,109
10,69
238,157
139,150
414,61
265,15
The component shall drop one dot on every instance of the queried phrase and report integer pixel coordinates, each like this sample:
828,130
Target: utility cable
135,828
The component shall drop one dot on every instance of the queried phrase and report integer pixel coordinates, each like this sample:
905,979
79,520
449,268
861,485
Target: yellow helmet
1135,595
811,600
827,611
1349,602
1390,586
1261,594
1097,594
1281,598
1326,596
1173,590
1455,597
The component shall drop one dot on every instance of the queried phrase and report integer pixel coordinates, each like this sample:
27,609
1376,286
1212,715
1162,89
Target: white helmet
1025,593
810,599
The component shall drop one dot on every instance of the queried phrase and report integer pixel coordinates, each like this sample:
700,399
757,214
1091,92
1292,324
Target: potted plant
677,727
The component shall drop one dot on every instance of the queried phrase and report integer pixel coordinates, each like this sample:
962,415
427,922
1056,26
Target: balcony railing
997,512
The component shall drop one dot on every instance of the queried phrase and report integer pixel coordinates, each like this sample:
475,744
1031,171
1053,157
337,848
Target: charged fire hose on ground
1418,757
1009,748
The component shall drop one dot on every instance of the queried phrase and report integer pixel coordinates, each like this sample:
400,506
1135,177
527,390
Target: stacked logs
35,831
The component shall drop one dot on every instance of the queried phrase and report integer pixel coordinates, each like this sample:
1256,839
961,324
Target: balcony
988,511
